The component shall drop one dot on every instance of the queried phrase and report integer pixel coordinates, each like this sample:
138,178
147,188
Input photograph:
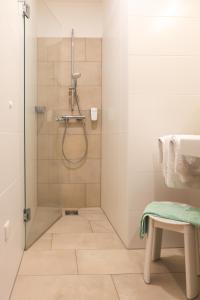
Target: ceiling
79,1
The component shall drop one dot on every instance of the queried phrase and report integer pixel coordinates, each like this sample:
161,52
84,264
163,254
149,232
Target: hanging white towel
179,171
167,160
187,168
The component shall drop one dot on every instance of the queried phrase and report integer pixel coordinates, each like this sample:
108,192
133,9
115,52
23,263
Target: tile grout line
91,226
94,274
111,276
76,257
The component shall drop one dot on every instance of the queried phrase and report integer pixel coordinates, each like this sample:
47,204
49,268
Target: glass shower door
37,219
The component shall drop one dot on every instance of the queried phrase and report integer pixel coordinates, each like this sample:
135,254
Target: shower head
76,75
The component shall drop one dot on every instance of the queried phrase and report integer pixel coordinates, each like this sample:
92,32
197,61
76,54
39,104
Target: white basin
190,145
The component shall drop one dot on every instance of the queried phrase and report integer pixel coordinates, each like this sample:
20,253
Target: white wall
11,143
163,98
57,18
114,115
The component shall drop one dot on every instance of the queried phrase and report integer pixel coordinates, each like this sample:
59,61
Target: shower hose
83,156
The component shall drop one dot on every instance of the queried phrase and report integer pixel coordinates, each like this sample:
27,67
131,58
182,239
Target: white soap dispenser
94,114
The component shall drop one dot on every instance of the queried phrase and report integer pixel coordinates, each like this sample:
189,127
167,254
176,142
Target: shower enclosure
62,141
37,218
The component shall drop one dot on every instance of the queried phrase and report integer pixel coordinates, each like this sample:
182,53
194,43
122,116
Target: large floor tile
93,216
48,263
86,241
163,286
121,261
41,244
90,210
71,224
73,287
101,226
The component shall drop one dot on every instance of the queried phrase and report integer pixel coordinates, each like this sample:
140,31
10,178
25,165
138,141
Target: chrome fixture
40,109
74,102
26,9
70,117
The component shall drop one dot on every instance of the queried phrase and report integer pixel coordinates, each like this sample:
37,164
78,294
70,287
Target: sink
190,145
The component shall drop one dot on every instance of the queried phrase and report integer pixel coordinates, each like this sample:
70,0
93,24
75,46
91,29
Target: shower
78,117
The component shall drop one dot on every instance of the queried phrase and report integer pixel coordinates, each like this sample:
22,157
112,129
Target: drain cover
73,212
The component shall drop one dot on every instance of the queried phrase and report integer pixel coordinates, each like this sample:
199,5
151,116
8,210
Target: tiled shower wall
58,185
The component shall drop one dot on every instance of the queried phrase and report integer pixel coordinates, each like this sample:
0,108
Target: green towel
169,210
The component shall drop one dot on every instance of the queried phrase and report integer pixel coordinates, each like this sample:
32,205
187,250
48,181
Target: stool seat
169,221
191,245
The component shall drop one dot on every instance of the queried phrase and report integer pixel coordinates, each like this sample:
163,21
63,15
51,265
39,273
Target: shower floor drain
73,212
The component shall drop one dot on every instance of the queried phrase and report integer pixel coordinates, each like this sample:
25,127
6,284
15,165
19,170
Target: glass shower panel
37,218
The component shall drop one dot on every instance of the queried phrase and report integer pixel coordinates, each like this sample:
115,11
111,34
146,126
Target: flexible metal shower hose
83,156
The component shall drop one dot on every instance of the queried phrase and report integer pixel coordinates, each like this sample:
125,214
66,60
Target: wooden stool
153,250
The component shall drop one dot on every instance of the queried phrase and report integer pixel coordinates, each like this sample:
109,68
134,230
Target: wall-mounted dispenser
94,114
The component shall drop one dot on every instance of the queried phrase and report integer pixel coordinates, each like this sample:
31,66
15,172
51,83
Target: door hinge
26,10
27,215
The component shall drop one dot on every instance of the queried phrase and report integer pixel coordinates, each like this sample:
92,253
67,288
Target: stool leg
197,251
190,262
148,253
157,241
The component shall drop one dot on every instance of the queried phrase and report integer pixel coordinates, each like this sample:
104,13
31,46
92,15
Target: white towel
179,171
187,168
167,160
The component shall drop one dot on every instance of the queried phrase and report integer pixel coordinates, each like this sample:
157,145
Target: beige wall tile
42,170
46,73
90,73
87,173
93,195
89,97
42,125
54,97
94,146
57,49
79,50
72,195
93,49
48,195
55,146
62,73
64,172
54,55
42,146
53,170
41,50
53,49
74,146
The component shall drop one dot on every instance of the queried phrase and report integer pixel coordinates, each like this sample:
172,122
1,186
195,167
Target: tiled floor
82,258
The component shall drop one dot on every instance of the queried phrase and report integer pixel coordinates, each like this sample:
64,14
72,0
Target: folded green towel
169,210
